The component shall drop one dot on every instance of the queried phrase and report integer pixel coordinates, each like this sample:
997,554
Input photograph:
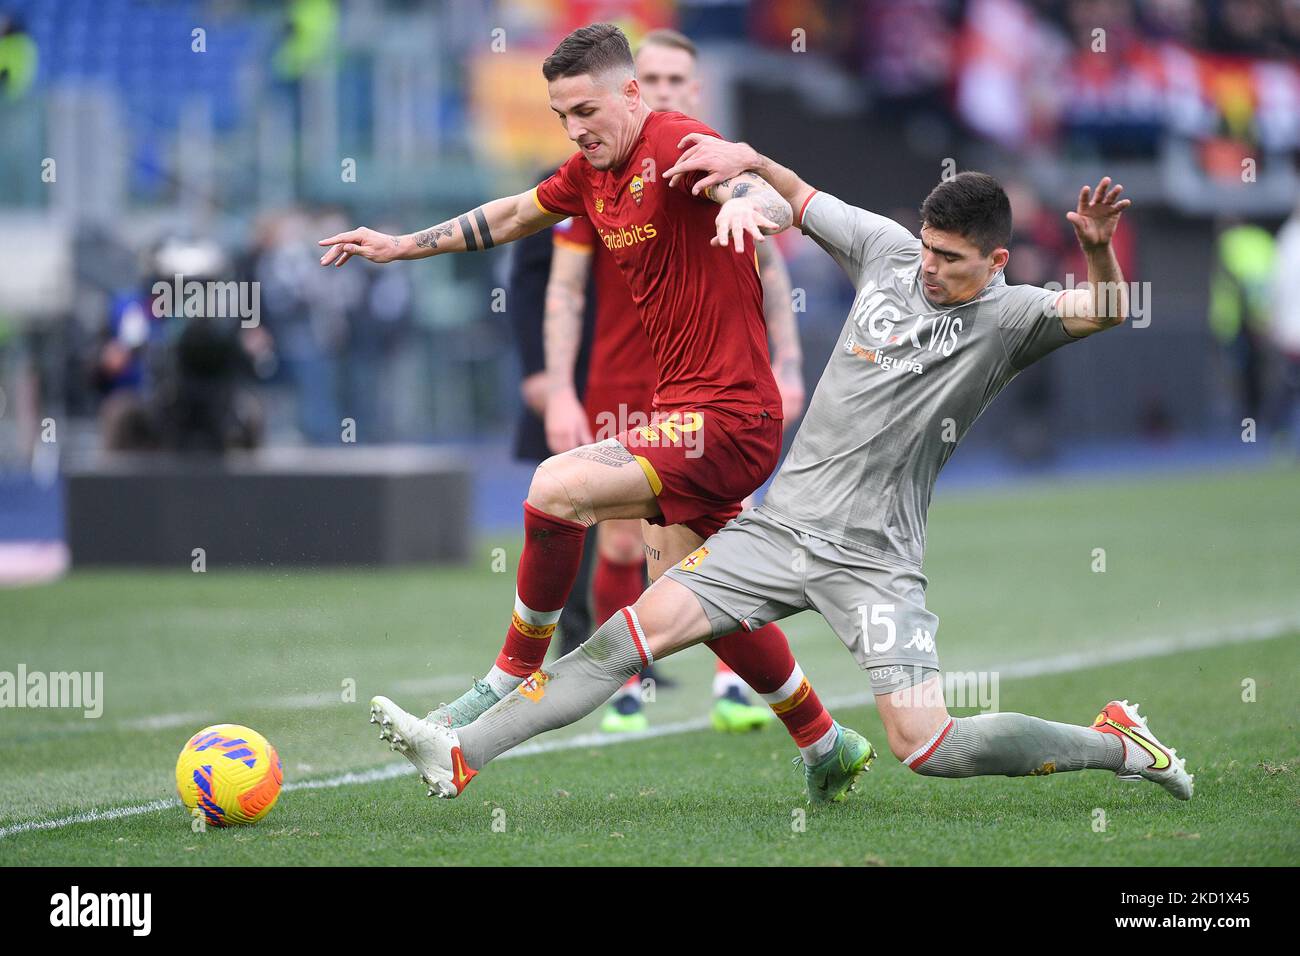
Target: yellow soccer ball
230,774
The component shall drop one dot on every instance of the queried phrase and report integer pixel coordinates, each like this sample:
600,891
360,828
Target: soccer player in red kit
717,428
621,376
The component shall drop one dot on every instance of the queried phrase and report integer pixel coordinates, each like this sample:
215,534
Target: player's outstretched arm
1104,304
495,222
721,161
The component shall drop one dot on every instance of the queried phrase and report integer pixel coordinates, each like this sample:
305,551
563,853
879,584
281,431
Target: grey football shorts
756,570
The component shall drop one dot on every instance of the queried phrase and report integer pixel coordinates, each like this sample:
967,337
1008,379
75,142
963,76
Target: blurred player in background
1240,309
621,378
716,435
1284,333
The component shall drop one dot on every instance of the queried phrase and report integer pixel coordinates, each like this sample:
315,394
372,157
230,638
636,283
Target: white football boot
432,747
1145,758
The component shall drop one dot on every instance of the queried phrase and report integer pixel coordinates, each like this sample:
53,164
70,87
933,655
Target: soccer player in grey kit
934,334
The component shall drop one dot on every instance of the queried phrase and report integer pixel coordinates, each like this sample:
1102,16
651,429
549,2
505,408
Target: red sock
727,683
615,586
763,660
547,569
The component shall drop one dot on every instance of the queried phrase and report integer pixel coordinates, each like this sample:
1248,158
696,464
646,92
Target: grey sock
561,693
1016,745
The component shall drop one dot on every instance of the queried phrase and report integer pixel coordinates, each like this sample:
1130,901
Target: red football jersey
620,352
701,305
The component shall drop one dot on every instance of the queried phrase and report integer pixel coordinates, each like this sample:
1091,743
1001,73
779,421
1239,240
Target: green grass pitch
1199,579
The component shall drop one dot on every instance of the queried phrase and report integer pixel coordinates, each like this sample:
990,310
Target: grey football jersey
905,382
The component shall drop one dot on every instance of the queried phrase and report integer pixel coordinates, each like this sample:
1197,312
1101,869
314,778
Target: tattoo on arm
770,202
712,191
467,230
651,553
778,311
467,233
562,314
429,238
774,207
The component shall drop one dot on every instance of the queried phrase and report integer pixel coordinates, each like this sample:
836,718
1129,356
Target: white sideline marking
88,816
195,718
314,699
1151,647
1039,667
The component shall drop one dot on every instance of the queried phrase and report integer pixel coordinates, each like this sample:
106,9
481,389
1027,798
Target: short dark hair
973,205
589,51
669,38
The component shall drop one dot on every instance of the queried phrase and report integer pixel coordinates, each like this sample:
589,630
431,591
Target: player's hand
717,157
566,422
1097,214
363,242
533,389
736,218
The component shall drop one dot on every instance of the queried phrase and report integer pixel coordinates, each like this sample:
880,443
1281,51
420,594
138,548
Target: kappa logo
534,687
694,559
906,277
922,640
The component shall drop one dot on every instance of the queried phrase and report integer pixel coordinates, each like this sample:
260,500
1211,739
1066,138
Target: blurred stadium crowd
219,139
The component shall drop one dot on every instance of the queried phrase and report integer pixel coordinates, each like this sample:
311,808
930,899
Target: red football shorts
703,461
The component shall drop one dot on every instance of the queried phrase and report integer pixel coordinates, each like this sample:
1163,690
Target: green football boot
831,780
615,722
730,716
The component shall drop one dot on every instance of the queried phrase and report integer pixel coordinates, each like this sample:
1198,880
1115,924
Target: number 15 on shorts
878,620
879,617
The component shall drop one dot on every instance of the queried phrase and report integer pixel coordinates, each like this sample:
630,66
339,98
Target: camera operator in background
174,382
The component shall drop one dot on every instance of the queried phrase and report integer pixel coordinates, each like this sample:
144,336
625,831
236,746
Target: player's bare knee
550,491
654,617
671,617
